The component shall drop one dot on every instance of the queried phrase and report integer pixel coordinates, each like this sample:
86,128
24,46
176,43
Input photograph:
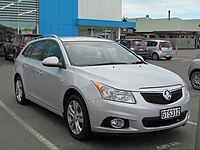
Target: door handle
39,72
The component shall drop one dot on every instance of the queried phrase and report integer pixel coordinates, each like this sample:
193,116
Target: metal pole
18,17
198,130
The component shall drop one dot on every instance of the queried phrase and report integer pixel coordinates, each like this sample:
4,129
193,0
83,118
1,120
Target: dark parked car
194,73
136,45
13,45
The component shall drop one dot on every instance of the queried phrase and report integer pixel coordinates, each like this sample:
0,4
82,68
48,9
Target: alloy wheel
19,90
75,117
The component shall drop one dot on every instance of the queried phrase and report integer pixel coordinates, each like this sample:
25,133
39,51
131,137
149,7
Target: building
62,17
181,33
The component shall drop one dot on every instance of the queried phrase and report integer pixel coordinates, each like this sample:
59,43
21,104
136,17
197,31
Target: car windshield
99,53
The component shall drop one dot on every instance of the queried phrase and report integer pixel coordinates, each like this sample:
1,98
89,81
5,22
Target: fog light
117,123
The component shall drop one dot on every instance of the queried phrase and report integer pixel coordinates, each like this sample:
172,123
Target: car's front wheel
19,91
77,118
195,80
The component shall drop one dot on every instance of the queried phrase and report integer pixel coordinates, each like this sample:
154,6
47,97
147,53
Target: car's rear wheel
19,91
155,56
168,58
6,55
195,80
77,118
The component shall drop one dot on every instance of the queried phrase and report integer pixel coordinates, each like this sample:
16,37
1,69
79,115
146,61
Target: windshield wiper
108,63
138,62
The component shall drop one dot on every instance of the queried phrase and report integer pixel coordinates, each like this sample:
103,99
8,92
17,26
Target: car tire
168,58
145,58
19,91
14,56
155,56
77,118
6,55
195,80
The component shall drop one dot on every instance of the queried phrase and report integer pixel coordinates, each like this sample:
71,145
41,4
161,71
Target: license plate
170,113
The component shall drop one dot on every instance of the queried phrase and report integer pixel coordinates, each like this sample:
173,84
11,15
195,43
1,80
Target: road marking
195,93
192,123
40,137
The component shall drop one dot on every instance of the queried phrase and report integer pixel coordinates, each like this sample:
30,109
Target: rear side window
27,51
152,43
126,43
165,44
37,50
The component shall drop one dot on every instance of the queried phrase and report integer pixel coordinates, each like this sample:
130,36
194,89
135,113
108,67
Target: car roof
28,34
77,39
132,39
158,40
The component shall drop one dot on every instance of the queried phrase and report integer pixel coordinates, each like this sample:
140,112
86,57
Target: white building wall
100,9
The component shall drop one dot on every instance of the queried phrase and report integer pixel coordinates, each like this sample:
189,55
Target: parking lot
33,127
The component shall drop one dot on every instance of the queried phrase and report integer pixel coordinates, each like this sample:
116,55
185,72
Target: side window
151,43
126,43
17,40
37,50
52,49
27,51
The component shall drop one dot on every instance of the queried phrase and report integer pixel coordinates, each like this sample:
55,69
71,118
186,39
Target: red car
13,45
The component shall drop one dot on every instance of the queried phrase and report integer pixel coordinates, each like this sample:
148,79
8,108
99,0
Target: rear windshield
139,43
165,44
29,38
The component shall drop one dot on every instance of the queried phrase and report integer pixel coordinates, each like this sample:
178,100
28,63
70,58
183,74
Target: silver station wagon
99,86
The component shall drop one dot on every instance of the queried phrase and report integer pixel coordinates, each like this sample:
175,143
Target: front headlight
110,93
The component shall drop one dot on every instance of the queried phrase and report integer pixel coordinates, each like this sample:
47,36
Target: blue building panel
106,23
58,17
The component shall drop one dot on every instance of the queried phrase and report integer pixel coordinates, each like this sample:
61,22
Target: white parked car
99,86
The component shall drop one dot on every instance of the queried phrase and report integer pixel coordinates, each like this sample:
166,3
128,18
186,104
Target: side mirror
52,62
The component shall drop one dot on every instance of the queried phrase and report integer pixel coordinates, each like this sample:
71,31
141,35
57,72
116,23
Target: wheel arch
193,71
15,77
68,93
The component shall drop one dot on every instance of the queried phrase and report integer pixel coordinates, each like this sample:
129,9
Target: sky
184,9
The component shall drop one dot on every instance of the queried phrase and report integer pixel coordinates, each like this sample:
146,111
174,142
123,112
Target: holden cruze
100,86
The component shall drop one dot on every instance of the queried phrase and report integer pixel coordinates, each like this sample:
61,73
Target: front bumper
99,109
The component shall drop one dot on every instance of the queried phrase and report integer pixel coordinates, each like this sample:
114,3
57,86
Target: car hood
130,77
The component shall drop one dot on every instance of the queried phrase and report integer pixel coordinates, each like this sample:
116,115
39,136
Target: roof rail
51,35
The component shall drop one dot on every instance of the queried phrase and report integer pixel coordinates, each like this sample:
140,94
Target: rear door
31,62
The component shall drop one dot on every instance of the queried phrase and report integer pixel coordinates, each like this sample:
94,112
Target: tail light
132,47
21,46
160,46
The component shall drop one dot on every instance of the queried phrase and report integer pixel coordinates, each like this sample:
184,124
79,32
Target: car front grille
157,98
158,122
